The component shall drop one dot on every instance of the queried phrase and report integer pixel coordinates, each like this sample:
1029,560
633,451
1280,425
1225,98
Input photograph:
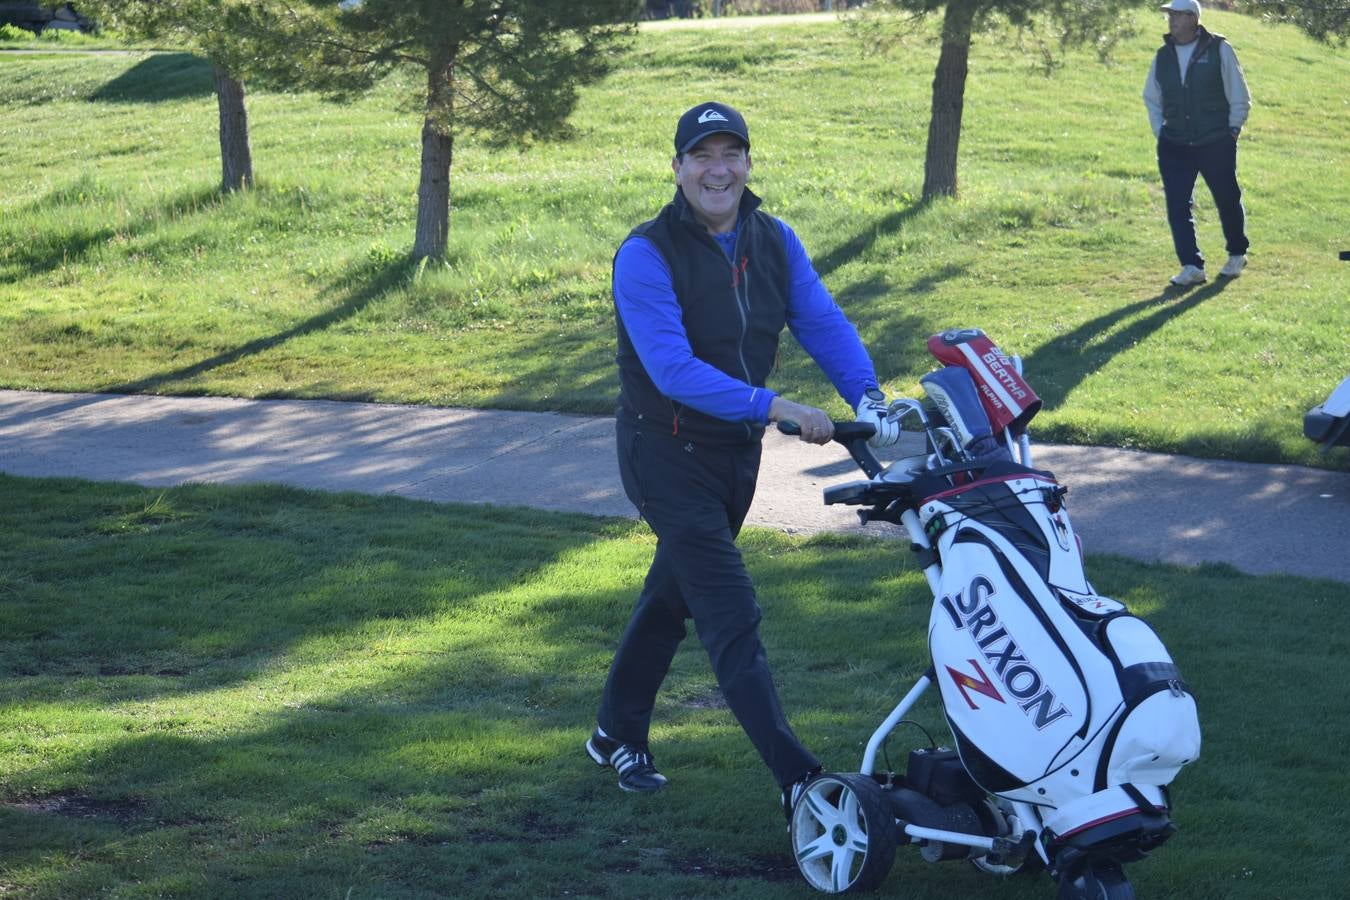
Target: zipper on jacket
740,287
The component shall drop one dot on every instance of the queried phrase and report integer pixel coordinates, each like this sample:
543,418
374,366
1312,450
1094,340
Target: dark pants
1217,164
695,498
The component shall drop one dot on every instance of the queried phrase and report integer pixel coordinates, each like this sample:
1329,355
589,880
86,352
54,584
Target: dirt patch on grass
407,837
534,826
114,669
490,837
762,867
539,827
78,806
708,698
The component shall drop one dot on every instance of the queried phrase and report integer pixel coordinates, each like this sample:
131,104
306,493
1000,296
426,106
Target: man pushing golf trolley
1069,718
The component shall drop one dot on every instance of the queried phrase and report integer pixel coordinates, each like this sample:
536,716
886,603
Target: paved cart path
1152,507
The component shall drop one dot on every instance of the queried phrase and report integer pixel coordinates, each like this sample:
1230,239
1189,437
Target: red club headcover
1008,399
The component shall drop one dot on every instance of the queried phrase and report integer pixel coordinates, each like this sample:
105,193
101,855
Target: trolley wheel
843,834
1103,880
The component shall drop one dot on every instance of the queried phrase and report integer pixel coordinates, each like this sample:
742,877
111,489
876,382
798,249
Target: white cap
1184,6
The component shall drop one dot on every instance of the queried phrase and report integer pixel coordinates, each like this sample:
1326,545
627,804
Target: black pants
695,499
1217,164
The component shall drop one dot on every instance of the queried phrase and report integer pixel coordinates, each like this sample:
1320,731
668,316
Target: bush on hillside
10,32
64,36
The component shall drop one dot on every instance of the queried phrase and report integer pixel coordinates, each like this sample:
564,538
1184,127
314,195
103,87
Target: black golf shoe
637,771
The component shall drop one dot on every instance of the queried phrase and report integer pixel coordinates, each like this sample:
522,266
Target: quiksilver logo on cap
711,115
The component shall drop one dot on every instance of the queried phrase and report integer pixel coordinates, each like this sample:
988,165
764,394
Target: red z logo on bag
971,611
966,683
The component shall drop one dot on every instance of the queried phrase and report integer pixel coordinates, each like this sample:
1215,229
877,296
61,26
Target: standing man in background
701,294
1197,103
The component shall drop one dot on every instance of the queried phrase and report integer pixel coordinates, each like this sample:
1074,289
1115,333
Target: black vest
1196,112
733,314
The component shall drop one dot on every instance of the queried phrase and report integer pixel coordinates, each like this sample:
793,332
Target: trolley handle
853,435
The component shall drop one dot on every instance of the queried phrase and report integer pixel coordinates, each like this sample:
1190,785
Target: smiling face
1182,26
712,177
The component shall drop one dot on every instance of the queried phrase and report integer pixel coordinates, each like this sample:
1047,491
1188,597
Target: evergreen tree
1324,20
506,69
212,29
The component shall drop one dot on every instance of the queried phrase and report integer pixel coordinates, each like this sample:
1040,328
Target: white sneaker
1189,275
1233,268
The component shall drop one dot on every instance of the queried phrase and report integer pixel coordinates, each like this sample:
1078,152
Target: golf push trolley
1068,717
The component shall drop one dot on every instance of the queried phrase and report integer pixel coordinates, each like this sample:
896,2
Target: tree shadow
929,283
379,281
1066,361
372,281
873,287
158,78
893,331
454,768
185,591
51,248
359,766
456,753
573,370
863,241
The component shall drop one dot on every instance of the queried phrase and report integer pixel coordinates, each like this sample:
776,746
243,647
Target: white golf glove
872,409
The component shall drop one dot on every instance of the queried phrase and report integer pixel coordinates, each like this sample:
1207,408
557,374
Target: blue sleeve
821,327
645,299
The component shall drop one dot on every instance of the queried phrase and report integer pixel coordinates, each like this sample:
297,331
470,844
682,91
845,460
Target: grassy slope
121,270
260,692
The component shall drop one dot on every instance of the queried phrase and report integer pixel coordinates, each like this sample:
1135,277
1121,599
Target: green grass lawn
122,270
263,692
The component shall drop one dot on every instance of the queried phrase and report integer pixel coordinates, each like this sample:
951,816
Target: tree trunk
433,189
949,93
236,158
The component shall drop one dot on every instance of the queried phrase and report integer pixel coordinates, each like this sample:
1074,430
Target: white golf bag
1068,716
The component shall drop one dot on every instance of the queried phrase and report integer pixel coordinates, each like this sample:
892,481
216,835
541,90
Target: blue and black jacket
699,317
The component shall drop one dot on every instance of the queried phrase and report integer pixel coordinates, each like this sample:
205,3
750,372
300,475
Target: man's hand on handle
872,409
816,427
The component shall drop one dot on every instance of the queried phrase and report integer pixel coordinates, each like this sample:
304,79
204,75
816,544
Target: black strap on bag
1136,795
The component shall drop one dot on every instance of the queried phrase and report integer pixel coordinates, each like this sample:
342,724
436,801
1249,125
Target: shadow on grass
447,761
1066,361
49,249
894,336
861,242
369,287
456,770
893,331
371,282
157,78
573,370
188,590
450,768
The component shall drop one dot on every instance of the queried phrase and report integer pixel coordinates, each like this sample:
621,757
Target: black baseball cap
708,119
